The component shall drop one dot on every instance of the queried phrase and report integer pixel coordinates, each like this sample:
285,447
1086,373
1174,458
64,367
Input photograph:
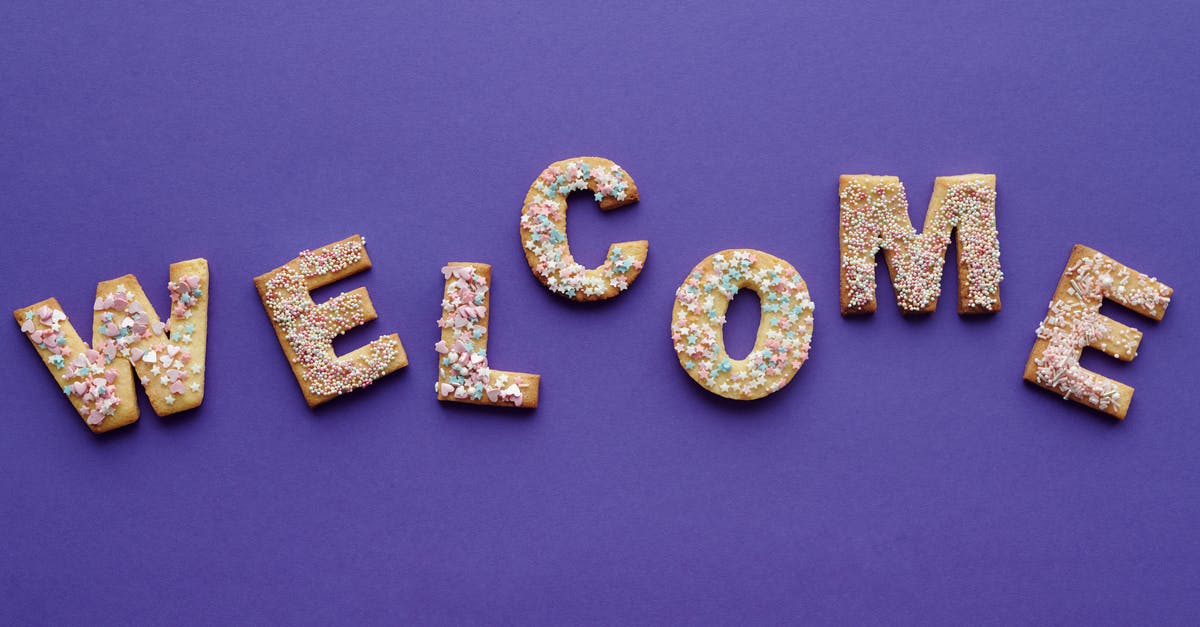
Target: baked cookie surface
98,383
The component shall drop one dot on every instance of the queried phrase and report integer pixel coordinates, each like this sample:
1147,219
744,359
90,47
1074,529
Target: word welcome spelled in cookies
168,356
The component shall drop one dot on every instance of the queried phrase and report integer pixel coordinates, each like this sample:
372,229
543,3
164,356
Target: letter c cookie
544,229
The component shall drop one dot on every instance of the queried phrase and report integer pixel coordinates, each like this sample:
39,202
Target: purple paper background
906,475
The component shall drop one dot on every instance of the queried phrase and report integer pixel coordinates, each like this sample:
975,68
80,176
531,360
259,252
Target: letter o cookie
784,331
544,229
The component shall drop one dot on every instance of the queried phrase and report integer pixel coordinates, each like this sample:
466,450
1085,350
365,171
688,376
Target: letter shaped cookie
463,371
306,329
874,216
169,356
544,229
784,331
1074,321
